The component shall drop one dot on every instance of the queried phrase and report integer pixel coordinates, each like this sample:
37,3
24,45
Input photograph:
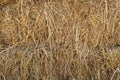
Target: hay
59,39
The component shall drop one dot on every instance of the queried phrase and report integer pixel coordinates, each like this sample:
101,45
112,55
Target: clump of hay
4,2
59,39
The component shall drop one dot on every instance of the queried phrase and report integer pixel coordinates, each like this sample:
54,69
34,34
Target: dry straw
59,39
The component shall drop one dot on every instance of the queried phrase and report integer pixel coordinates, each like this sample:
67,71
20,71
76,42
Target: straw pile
59,39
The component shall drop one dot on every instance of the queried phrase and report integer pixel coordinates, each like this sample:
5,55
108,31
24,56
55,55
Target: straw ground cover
59,39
